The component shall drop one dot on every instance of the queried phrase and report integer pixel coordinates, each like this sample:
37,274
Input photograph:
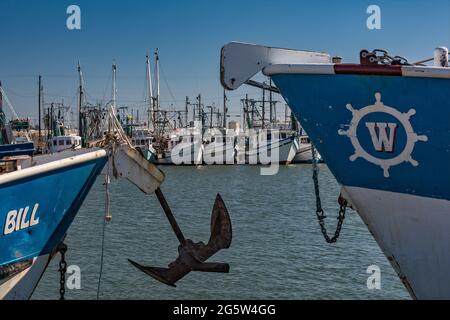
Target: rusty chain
319,211
62,249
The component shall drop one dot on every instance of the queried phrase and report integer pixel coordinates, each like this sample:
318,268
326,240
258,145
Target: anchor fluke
192,256
160,274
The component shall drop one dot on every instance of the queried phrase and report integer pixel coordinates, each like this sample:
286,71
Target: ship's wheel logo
383,135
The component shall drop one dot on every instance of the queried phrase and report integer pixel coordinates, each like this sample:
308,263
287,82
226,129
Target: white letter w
380,137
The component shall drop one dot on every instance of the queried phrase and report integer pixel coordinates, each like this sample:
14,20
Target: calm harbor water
277,251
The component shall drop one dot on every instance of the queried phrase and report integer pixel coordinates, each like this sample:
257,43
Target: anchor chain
319,211
62,249
385,58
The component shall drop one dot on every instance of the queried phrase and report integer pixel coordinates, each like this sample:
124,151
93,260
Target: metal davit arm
239,62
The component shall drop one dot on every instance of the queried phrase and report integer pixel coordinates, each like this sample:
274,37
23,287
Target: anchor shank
170,216
212,267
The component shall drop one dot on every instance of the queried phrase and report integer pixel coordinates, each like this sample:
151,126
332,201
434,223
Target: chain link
319,211
387,59
62,249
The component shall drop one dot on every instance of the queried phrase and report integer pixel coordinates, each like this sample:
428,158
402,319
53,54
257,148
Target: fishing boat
52,189
266,139
61,143
266,146
219,146
182,146
382,126
305,150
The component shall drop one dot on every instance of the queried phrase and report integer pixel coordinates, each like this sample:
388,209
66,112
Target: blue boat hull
386,139
36,211
319,102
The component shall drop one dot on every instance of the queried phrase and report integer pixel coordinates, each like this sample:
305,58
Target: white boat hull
413,233
22,285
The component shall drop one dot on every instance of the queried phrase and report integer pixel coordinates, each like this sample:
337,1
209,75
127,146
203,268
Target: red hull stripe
380,70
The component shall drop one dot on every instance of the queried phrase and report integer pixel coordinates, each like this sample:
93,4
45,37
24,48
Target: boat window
69,142
61,142
55,142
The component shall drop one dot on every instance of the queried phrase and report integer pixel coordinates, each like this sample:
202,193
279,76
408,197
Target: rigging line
144,90
107,86
13,93
101,259
167,83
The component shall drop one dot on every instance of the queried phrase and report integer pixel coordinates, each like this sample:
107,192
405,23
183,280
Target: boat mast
271,103
224,109
186,111
80,102
151,124
157,79
263,106
114,89
39,107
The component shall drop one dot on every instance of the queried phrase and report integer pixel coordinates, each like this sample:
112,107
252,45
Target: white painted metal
241,61
309,68
21,286
441,57
426,72
413,233
133,166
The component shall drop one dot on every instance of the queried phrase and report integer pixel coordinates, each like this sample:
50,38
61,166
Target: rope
101,260
107,218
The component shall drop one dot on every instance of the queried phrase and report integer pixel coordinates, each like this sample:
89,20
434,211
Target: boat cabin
60,143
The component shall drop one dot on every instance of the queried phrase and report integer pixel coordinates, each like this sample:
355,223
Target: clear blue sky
189,35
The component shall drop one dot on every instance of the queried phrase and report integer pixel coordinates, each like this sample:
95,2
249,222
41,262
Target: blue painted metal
319,102
59,194
9,150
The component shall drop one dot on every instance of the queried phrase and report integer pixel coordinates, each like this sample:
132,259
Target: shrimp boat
264,146
219,146
183,146
304,149
382,126
41,196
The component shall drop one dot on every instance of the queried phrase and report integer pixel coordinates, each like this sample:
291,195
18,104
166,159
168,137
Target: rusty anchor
193,256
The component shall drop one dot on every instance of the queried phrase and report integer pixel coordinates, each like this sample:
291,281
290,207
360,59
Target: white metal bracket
239,62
